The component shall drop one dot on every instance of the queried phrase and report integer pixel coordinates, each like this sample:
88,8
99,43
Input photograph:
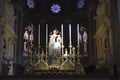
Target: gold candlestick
39,47
30,54
62,54
46,53
70,46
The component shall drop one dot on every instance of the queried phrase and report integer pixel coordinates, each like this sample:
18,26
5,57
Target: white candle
62,32
39,34
78,33
70,34
46,34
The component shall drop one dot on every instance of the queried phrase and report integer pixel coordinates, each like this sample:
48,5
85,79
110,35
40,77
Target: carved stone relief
103,23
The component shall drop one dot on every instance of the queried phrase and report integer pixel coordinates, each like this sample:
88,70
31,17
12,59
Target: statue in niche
28,39
55,41
83,41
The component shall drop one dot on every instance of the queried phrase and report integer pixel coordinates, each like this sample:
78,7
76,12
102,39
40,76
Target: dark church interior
59,39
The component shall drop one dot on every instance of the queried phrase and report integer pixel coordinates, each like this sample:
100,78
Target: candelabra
30,55
46,55
39,52
62,54
79,67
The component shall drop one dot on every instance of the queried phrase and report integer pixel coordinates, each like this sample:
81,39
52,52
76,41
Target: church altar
55,57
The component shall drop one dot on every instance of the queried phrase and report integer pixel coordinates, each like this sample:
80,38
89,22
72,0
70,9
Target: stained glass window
55,8
30,3
80,4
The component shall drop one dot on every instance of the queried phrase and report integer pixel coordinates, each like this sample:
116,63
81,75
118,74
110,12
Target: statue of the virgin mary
54,47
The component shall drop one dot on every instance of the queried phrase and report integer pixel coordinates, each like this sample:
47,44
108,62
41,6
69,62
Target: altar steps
59,77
